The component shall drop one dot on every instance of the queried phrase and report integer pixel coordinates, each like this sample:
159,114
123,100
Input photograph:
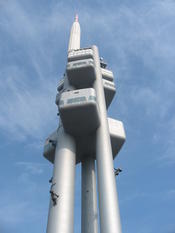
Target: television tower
84,134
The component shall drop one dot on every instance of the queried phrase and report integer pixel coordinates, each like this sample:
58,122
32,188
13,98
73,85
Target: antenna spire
76,18
74,40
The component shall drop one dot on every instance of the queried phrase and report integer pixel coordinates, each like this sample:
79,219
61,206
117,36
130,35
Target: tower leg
89,220
61,210
108,200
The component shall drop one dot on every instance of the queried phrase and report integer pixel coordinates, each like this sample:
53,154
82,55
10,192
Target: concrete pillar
89,215
108,200
61,211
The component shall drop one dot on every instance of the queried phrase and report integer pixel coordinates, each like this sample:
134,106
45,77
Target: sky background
137,39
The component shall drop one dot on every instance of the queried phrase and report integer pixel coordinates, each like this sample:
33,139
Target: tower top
74,40
76,18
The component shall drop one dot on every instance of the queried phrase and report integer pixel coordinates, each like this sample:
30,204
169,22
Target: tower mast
85,134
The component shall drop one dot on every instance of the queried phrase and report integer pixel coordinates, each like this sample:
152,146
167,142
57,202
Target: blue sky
137,39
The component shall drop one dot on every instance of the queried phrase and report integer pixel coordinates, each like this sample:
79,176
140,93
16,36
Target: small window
61,102
76,100
91,97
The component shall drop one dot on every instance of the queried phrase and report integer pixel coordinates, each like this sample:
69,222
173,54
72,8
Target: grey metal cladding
81,105
109,90
60,85
87,145
80,54
81,73
107,74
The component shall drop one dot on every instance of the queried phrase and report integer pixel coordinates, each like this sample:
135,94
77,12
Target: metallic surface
77,107
89,215
108,200
61,215
84,148
74,41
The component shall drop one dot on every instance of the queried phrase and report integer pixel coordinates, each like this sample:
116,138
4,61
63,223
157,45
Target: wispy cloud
25,111
28,77
136,39
32,168
132,33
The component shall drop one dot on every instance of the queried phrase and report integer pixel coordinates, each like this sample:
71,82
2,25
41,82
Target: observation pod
80,54
79,111
87,145
80,68
108,84
107,74
109,91
81,73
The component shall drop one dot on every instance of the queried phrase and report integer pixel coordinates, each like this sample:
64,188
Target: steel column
89,215
108,200
61,211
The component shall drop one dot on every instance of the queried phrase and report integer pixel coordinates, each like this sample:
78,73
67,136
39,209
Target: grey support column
108,200
89,218
61,211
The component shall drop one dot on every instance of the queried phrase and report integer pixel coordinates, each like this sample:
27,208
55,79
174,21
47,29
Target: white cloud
27,103
26,111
